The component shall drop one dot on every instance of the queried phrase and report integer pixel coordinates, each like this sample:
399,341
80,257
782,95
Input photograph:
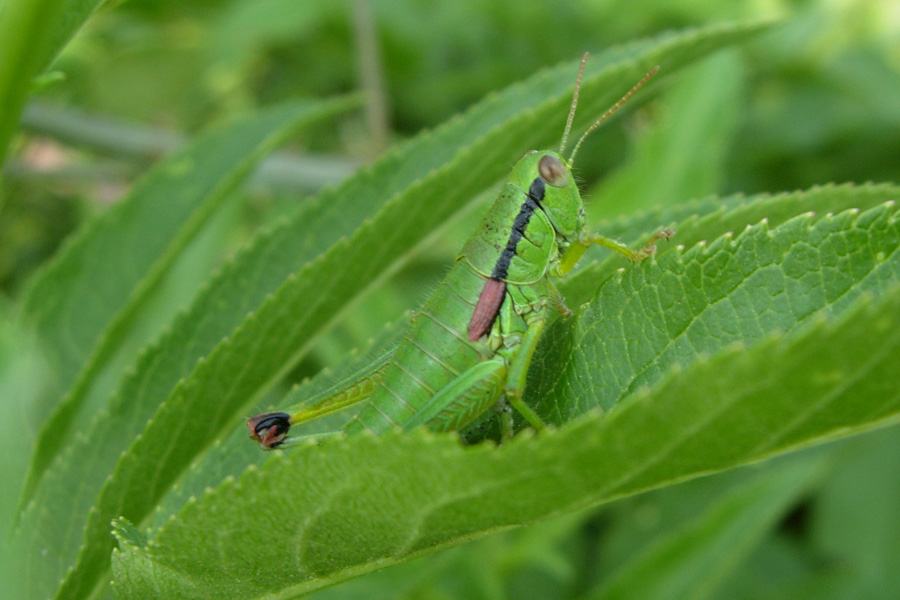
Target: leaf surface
361,504
690,561
85,301
189,388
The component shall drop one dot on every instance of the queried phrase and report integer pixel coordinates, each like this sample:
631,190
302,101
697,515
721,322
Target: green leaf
417,189
842,542
85,301
864,550
706,219
232,455
691,560
733,290
32,34
21,374
320,515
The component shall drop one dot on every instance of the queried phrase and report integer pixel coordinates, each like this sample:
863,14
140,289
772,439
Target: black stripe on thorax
532,202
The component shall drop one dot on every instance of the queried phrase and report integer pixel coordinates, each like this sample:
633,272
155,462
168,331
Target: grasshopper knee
269,429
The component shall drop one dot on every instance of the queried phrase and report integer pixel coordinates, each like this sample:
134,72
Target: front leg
576,250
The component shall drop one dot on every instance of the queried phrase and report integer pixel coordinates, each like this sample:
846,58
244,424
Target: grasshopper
469,347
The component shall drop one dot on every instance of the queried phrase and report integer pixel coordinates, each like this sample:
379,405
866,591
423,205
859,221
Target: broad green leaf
864,545
22,372
642,521
320,515
773,571
417,188
691,560
733,290
844,544
708,218
230,456
86,300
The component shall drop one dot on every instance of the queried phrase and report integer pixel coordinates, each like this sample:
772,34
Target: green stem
27,30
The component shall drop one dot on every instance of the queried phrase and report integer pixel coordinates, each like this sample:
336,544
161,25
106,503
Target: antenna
562,146
608,113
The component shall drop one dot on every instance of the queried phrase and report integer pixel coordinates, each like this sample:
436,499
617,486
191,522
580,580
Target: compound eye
553,171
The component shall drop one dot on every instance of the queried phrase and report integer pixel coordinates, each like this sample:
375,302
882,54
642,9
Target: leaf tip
127,534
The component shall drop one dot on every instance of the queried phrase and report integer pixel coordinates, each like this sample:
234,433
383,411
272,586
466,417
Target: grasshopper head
561,202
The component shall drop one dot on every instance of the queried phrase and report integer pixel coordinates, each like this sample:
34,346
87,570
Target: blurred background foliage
814,101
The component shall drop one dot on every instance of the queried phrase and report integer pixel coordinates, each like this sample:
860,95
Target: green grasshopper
469,347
